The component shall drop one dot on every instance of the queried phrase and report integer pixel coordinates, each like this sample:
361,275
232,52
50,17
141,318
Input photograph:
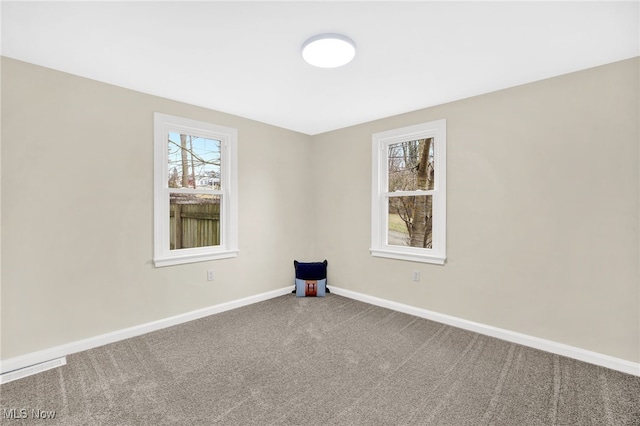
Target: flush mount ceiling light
328,50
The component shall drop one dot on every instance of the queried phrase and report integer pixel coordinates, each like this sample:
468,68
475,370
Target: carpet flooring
321,361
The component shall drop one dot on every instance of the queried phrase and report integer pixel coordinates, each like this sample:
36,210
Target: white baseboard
510,336
25,365
35,362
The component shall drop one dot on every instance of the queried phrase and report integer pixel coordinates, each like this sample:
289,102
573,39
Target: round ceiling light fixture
328,50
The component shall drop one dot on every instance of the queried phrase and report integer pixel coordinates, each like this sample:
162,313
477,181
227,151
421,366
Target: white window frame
380,195
163,256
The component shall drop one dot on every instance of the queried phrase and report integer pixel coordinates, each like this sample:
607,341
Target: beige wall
542,211
77,211
543,190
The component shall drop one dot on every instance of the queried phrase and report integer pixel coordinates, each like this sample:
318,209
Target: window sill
411,257
192,258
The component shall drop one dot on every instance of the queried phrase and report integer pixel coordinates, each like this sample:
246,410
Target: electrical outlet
210,275
416,276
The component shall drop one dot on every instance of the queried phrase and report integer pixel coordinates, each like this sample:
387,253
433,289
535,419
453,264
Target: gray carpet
322,361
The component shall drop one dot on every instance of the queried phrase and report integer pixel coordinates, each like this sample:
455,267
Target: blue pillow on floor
311,271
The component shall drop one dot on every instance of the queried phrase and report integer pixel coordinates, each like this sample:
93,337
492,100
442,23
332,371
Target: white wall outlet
416,276
210,275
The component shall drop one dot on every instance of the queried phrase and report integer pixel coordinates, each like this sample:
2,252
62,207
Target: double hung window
195,205
409,193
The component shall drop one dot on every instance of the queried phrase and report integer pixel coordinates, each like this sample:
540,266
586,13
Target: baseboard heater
32,369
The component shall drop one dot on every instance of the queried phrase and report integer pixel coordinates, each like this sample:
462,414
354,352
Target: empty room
310,213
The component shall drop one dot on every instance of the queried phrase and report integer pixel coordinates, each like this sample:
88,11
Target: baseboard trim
35,362
590,357
25,365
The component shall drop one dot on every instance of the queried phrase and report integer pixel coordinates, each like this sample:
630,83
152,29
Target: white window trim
379,199
163,256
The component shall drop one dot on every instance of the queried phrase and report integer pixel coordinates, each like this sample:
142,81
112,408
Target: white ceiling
244,58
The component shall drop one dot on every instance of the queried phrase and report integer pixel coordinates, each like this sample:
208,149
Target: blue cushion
311,270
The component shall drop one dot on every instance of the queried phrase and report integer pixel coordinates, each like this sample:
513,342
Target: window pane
411,165
193,162
410,221
194,220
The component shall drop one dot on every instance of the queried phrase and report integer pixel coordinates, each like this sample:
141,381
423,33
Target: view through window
410,170
194,163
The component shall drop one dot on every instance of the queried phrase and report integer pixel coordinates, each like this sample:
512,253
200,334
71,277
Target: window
195,200
408,208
